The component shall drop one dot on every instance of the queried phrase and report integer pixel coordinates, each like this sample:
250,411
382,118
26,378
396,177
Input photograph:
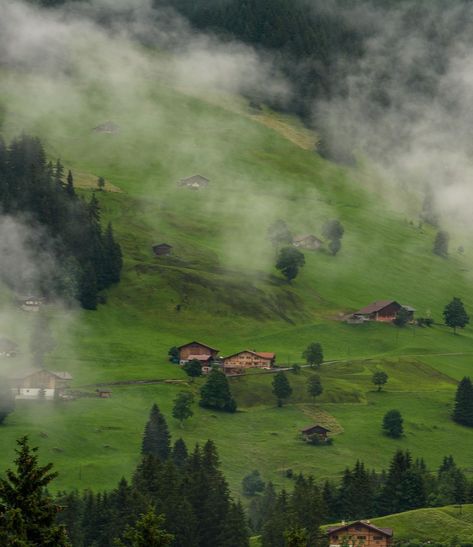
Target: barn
315,429
382,310
40,383
196,350
162,249
196,182
309,242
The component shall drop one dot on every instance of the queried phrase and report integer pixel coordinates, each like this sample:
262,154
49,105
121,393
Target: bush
425,322
392,424
252,484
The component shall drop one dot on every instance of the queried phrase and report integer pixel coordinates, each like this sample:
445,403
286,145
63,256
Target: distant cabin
196,350
309,242
162,249
31,303
104,393
8,348
315,429
40,383
360,532
107,127
196,182
238,362
382,310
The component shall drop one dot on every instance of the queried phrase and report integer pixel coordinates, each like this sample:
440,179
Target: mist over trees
84,258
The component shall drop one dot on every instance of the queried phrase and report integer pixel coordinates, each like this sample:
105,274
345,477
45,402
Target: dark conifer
463,411
216,393
156,438
88,293
70,185
179,453
23,501
234,533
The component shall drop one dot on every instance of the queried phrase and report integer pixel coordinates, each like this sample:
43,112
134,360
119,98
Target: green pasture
219,286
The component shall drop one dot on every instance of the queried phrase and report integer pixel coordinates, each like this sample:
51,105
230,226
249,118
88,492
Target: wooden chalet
196,182
315,429
162,249
103,393
382,310
8,348
40,383
196,350
309,242
236,363
360,533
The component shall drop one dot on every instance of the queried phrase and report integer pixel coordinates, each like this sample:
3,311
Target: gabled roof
385,531
62,375
376,306
30,371
306,429
199,343
262,354
162,245
195,179
306,236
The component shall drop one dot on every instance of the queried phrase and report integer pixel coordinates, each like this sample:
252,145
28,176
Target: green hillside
219,286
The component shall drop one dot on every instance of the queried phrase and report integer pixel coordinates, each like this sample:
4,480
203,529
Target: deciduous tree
182,406
379,379
313,354
455,315
289,261
314,386
392,424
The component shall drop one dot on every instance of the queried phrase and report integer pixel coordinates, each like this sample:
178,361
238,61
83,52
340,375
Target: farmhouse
382,310
196,350
248,359
196,182
360,533
315,429
7,348
309,242
40,383
162,249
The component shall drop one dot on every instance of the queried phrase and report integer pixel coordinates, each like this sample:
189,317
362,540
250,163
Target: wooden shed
162,249
315,429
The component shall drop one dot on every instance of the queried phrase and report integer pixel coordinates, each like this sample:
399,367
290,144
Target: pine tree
281,387
463,410
27,513
235,532
88,296
147,532
179,453
215,393
7,402
156,437
314,386
441,243
70,185
112,257
392,424
455,315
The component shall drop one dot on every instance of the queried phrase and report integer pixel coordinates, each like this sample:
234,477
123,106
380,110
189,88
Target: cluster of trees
174,498
289,259
33,189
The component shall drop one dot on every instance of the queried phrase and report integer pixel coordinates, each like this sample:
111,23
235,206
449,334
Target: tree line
87,258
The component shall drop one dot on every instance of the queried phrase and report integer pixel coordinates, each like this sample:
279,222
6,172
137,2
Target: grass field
221,275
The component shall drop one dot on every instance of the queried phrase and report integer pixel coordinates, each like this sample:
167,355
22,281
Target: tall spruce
281,387
27,513
463,410
156,437
216,394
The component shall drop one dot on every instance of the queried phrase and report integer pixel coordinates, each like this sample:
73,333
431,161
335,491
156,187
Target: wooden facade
309,242
196,350
234,364
383,310
360,533
315,429
39,383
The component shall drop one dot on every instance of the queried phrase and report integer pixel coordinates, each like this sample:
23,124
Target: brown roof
384,531
199,343
376,306
61,374
158,245
306,236
262,354
307,429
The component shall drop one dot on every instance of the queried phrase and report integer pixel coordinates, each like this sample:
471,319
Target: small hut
316,429
162,249
196,182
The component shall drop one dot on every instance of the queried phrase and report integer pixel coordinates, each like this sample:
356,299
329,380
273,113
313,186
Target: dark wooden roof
162,245
384,531
315,426
376,306
199,343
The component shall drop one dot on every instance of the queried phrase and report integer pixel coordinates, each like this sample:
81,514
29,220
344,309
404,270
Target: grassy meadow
219,286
